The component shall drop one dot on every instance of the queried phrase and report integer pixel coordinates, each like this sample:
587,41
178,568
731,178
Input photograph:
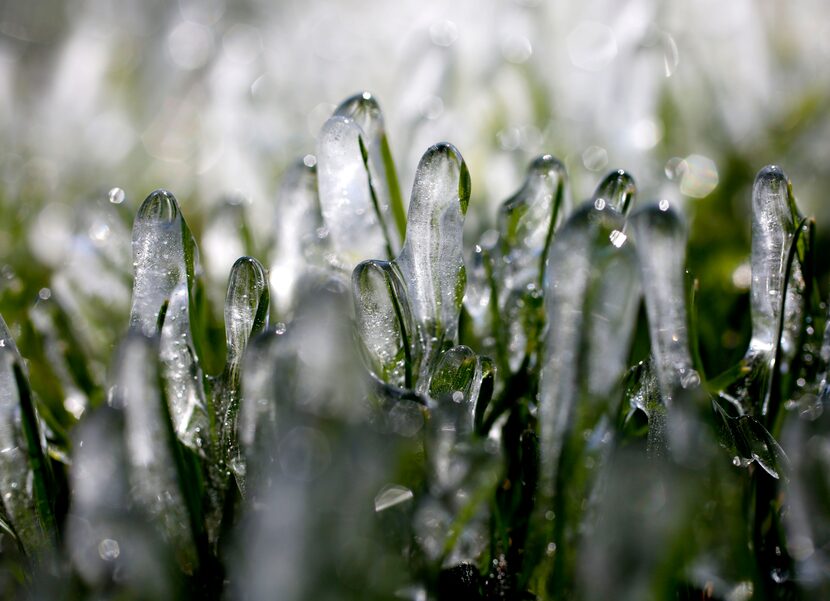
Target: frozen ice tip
160,205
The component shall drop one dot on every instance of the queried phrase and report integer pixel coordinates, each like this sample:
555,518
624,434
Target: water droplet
675,167
108,549
742,276
690,379
700,176
116,196
551,549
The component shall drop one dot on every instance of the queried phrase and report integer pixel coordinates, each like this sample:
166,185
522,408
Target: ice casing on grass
384,321
451,521
431,262
526,222
246,315
246,307
364,109
300,240
425,283
110,542
307,365
774,227
25,477
454,388
314,464
354,169
591,296
660,236
774,222
155,479
166,269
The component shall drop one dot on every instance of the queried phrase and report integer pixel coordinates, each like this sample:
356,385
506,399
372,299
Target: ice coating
454,390
299,239
660,235
773,227
774,230
154,478
166,265
356,222
526,223
383,321
6,340
479,291
56,329
431,262
23,468
617,189
454,387
246,306
263,363
364,110
110,542
591,298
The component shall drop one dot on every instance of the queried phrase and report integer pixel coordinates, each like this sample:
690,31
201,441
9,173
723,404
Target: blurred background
214,99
